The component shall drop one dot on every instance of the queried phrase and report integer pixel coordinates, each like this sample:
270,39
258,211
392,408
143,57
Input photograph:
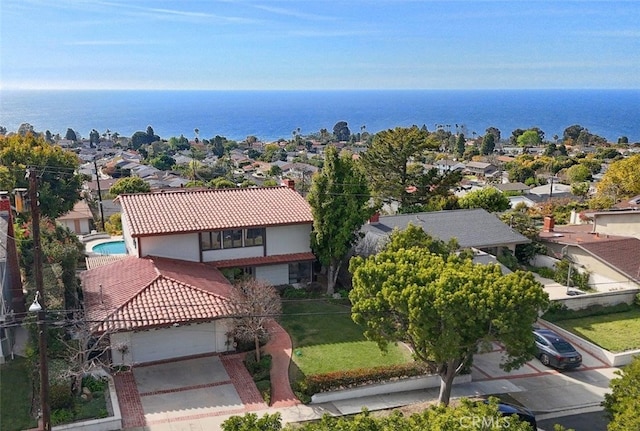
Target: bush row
261,373
351,378
557,311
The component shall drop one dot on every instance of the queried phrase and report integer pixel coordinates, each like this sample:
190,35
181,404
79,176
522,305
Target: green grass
616,332
325,339
15,396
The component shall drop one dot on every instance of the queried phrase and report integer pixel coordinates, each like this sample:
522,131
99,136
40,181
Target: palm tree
197,132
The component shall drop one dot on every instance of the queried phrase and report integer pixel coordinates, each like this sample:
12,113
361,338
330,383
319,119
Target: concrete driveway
546,390
176,394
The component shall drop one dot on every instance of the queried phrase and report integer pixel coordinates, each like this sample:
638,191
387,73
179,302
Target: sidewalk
302,413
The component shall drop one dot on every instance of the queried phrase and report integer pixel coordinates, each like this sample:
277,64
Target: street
592,421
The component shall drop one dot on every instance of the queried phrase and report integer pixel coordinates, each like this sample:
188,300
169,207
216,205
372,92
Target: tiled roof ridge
197,190
117,309
191,286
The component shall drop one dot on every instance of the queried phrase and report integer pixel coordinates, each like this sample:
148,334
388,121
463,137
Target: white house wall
232,253
288,239
172,342
618,224
180,246
129,241
273,274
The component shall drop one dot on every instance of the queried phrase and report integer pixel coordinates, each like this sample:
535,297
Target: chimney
288,182
5,202
549,223
375,218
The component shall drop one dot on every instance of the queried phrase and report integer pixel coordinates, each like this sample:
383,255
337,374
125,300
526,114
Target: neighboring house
616,221
473,228
445,166
613,262
156,309
481,168
513,187
552,190
514,201
260,232
298,170
79,220
11,294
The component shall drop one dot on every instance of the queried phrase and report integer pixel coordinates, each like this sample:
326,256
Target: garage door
167,343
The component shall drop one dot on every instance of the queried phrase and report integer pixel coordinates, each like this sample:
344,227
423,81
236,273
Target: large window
211,241
254,237
232,238
299,272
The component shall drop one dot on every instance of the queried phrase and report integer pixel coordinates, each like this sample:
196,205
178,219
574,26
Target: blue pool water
110,247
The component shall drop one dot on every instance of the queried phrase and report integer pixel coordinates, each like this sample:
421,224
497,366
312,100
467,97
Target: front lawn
616,332
325,339
15,396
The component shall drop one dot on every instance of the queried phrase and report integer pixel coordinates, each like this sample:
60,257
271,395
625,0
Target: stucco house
79,220
613,261
155,309
260,232
472,228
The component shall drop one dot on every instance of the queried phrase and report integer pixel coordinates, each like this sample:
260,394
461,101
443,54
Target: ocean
270,115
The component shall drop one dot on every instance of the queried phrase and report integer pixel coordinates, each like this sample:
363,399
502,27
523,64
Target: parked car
508,409
555,351
525,415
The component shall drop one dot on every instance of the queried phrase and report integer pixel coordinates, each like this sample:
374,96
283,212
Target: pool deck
94,260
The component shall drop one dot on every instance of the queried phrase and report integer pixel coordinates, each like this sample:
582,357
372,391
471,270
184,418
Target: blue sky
319,44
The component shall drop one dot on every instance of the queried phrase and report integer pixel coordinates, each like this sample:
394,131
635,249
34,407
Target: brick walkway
129,400
279,347
242,381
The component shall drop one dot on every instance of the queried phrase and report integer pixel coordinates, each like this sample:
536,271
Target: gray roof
472,228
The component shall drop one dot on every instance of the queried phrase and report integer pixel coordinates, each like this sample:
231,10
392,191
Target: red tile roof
622,254
142,293
194,211
264,260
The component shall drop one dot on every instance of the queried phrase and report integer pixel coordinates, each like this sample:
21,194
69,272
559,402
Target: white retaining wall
605,299
612,359
410,384
111,423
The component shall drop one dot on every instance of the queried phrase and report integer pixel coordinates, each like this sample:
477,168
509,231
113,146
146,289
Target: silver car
555,351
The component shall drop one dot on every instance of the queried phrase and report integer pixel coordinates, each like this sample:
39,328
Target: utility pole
42,325
95,164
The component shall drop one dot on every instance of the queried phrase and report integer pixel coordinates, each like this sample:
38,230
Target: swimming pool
110,247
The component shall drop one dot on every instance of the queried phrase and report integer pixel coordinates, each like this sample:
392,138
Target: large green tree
488,144
530,138
622,179
59,184
623,403
339,199
445,309
489,198
129,185
392,163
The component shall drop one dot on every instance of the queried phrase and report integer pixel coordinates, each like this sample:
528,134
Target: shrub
94,384
61,416
347,379
258,370
290,292
250,421
558,311
543,271
264,386
60,396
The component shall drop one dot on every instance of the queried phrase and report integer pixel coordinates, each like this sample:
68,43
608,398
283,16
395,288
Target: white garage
154,309
131,348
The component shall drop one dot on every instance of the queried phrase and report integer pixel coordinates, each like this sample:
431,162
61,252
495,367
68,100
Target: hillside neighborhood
554,224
